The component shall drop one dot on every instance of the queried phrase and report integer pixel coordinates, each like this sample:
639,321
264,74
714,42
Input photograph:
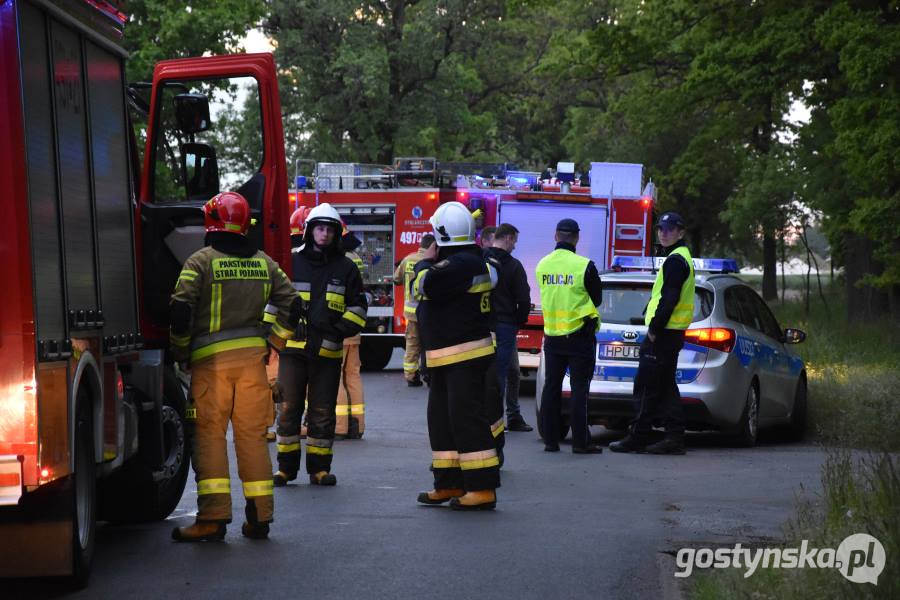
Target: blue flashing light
646,263
300,183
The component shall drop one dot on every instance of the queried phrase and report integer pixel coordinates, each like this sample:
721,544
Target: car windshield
625,303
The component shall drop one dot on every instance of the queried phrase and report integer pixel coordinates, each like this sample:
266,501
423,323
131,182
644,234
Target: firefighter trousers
299,374
351,409
494,406
464,455
232,388
411,356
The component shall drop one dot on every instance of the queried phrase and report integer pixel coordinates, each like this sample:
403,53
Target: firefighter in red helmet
220,294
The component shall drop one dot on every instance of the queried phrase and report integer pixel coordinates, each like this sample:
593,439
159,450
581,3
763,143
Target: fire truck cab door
205,136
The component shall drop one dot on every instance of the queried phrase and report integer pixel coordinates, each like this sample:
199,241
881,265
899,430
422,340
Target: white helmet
453,225
324,213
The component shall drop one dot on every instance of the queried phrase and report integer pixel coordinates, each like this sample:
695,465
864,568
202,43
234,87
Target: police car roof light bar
646,263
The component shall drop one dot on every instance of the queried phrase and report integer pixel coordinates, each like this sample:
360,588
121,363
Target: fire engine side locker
79,206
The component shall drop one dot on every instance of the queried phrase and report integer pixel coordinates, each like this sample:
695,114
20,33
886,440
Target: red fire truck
388,207
613,210
92,411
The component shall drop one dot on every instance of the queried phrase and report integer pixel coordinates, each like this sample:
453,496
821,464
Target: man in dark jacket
331,285
510,303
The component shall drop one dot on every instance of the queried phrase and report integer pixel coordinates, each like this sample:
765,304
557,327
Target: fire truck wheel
84,492
374,354
139,493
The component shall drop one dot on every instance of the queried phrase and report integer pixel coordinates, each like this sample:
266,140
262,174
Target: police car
736,373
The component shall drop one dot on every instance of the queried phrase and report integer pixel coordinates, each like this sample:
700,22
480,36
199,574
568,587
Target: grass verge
853,377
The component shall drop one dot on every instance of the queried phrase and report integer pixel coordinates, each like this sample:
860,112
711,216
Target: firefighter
330,283
403,276
669,312
351,409
215,309
570,294
453,284
298,217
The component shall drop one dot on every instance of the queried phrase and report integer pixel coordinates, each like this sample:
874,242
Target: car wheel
798,413
749,423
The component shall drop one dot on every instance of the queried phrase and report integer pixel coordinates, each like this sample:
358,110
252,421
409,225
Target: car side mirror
192,113
794,336
200,170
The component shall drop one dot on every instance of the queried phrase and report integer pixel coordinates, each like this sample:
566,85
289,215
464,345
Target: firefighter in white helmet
336,309
453,285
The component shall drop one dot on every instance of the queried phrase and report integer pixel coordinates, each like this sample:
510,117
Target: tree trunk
863,301
770,261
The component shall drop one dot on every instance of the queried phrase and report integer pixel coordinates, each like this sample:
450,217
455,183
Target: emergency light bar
646,263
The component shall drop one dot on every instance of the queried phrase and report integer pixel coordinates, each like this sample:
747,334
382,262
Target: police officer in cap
669,312
570,294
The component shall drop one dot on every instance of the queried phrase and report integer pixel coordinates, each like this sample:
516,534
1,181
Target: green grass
852,371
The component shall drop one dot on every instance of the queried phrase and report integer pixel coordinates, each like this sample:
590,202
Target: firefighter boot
477,500
673,443
280,479
323,478
252,528
435,497
200,531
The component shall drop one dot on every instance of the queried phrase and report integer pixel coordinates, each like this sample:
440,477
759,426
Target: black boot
517,423
252,528
633,442
416,381
673,443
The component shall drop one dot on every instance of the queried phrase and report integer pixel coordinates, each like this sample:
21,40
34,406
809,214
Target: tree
377,79
162,29
856,123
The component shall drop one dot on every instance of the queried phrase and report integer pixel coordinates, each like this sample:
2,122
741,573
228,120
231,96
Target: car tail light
717,338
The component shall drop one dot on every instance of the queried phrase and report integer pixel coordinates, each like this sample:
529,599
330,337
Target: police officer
669,312
215,312
331,285
453,284
570,294
403,275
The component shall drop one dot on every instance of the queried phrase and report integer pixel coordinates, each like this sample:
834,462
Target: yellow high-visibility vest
683,314
565,303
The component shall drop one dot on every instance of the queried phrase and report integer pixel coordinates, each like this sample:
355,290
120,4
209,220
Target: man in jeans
511,302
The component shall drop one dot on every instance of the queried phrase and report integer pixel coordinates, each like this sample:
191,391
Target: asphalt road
566,526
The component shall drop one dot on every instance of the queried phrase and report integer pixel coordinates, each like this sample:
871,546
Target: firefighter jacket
454,305
403,275
363,270
219,298
331,285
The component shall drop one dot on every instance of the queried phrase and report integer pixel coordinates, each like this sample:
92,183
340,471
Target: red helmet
298,220
227,211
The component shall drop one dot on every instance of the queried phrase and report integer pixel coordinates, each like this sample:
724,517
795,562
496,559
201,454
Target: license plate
618,351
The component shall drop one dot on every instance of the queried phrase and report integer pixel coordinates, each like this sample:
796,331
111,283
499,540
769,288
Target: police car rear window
626,303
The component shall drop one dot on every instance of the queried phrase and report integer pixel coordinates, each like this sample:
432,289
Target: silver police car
736,373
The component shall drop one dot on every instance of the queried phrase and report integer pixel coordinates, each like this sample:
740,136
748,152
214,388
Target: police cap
568,225
672,219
